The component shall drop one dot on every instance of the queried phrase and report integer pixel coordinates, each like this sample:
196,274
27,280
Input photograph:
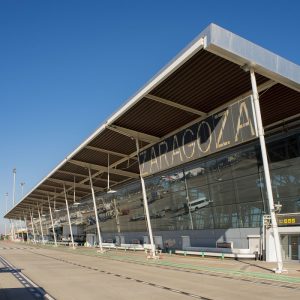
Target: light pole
6,199
22,188
14,185
13,198
22,193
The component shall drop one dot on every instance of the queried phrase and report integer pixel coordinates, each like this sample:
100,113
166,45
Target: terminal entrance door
290,244
295,245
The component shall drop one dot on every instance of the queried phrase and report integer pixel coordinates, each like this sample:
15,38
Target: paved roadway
65,274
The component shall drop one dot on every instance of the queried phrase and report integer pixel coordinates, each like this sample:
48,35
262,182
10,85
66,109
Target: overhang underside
201,85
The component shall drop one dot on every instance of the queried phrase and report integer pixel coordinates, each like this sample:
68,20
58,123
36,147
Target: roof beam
177,105
53,193
260,88
72,173
51,186
104,169
105,180
106,151
71,183
32,198
35,200
134,134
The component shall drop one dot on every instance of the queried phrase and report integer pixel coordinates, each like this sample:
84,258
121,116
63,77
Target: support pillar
188,200
54,234
266,172
21,227
67,206
145,201
95,209
33,231
25,222
41,225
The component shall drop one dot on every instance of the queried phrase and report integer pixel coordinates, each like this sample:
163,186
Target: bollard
170,252
184,253
222,256
202,254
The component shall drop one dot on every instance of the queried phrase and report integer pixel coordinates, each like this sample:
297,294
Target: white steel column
11,229
41,225
54,234
33,231
145,202
95,209
21,227
266,172
188,200
25,222
67,206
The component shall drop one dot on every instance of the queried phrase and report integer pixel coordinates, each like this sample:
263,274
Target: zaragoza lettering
226,128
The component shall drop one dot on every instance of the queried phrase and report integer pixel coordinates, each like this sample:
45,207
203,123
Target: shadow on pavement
255,265
17,293
8,270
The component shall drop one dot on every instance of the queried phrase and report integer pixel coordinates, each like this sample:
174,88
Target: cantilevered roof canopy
205,76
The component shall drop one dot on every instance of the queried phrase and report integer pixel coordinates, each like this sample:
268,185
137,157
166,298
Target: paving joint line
128,278
33,288
219,272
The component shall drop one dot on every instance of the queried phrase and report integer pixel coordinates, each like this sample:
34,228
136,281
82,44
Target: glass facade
220,192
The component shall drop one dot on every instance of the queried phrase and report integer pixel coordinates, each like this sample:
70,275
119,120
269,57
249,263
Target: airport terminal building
182,165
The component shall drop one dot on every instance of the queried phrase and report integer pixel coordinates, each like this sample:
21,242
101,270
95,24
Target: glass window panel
250,214
203,218
226,216
248,189
244,162
196,175
222,193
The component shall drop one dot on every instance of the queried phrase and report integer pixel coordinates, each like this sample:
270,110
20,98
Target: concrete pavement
86,274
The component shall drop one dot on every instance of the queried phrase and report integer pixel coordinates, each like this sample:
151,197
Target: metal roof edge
241,51
216,40
174,64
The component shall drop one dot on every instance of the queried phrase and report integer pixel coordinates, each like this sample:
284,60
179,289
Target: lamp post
22,188
6,199
22,193
14,185
13,199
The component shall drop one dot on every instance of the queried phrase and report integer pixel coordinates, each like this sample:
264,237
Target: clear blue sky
65,66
